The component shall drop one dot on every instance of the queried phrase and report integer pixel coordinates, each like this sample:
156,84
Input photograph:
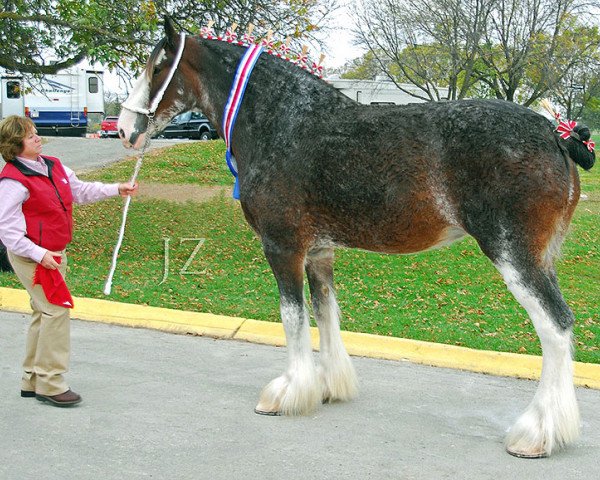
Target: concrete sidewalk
158,405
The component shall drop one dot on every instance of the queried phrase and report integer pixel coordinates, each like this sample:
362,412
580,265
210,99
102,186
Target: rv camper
58,104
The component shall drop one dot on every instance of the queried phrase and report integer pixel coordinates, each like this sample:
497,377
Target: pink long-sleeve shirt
14,193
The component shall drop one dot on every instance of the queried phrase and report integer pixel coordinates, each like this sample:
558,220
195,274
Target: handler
36,226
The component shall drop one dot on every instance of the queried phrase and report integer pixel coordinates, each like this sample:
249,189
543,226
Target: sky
338,48
339,41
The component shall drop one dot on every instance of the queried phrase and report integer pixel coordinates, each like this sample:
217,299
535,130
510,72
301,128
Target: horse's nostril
121,133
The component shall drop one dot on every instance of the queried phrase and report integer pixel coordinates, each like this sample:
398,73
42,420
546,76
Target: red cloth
54,285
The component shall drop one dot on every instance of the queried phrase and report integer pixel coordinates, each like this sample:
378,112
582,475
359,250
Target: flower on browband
302,58
207,31
248,39
268,43
317,68
284,49
230,35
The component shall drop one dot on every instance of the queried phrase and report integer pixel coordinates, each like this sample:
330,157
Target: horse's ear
170,32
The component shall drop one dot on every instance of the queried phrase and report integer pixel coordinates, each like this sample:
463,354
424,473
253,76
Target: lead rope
136,171
149,112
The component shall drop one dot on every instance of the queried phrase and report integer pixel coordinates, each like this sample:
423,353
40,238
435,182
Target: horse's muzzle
135,141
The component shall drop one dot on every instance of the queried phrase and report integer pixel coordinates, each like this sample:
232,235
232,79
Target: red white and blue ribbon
232,107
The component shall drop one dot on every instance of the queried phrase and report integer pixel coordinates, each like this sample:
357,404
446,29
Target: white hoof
286,396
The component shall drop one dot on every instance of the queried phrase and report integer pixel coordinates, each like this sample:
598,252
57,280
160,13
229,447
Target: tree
531,45
112,103
578,92
45,36
517,50
362,68
429,43
50,35
591,113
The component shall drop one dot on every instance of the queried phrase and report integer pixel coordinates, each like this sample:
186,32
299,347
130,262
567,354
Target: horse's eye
156,71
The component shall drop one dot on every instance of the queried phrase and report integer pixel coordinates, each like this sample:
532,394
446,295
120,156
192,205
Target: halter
159,95
232,107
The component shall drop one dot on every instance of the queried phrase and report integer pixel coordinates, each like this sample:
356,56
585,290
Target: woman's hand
48,260
125,189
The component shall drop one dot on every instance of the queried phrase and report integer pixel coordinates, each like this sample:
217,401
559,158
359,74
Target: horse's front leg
336,372
297,391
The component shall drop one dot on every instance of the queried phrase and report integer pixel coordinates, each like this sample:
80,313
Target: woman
36,226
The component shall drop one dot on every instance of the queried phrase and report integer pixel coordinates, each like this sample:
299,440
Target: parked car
189,125
108,127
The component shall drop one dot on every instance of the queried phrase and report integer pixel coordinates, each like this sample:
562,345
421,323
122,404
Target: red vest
49,208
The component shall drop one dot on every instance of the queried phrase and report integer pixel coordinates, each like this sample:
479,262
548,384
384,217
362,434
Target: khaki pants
49,337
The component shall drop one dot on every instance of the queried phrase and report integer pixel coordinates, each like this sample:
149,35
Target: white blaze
138,98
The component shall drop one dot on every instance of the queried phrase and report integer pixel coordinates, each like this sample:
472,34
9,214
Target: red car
108,127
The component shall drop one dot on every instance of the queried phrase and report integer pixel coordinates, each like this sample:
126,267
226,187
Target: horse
318,171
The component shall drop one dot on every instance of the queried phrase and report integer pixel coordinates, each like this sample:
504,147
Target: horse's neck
276,88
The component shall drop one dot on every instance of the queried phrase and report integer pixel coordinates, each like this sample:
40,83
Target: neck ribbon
232,107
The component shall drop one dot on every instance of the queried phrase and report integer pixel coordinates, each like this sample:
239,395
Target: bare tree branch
517,50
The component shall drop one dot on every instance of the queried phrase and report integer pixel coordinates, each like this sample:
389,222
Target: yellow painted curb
360,344
125,314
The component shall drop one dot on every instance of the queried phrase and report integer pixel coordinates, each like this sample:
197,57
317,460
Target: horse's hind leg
552,418
297,391
335,370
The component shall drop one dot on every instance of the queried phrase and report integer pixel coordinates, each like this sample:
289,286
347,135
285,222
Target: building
380,91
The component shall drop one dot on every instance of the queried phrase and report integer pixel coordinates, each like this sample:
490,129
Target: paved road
83,154
166,406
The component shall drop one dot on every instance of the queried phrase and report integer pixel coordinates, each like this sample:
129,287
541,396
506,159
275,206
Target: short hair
13,130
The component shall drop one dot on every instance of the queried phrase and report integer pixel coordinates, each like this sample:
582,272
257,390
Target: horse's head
160,92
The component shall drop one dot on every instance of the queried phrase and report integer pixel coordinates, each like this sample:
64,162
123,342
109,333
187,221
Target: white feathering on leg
552,419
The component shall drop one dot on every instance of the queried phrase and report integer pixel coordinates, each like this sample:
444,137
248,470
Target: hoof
522,454
338,381
288,395
266,413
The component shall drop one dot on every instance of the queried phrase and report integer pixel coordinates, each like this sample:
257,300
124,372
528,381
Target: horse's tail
578,150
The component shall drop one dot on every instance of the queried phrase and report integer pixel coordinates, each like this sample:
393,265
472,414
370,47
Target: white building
380,91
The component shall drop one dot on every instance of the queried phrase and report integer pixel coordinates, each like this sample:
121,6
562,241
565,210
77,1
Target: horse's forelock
154,57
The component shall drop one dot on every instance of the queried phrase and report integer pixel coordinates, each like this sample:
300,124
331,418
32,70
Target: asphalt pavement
165,406
81,154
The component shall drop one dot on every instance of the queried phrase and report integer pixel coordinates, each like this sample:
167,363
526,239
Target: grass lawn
453,295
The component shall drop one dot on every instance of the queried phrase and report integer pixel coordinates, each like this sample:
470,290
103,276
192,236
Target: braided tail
576,137
578,150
